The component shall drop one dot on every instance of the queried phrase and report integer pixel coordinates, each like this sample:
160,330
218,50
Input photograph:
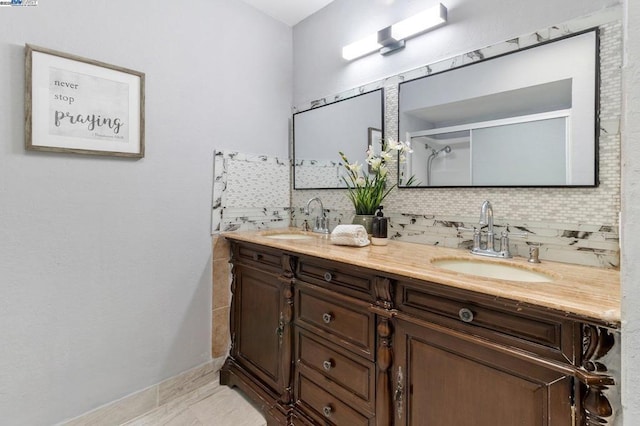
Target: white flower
370,154
406,147
355,167
393,145
375,163
360,181
386,156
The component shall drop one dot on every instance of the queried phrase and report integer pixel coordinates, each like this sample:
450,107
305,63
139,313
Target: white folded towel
350,235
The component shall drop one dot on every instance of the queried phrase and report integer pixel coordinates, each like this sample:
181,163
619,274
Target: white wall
631,217
105,264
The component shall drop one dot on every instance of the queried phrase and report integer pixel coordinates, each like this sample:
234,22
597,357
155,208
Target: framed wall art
82,106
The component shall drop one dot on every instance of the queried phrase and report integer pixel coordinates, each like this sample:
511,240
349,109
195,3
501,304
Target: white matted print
78,105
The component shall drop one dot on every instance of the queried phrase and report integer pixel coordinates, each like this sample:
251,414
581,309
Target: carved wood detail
596,343
383,292
232,328
398,395
286,324
384,406
288,268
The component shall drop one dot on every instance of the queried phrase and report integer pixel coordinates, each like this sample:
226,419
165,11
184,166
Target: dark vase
365,220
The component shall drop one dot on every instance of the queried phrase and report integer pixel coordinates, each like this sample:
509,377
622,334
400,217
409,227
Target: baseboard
183,385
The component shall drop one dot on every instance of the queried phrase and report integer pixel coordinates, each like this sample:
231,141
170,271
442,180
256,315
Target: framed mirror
320,133
523,119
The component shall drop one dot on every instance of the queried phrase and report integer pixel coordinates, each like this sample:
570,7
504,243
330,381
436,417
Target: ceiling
288,11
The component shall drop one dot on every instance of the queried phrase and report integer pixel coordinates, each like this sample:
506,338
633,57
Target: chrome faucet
488,249
321,222
486,218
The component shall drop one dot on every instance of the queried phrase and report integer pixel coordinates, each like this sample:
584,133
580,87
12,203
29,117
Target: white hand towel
350,235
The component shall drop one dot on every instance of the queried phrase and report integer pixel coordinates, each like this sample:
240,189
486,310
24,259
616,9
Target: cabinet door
442,378
258,326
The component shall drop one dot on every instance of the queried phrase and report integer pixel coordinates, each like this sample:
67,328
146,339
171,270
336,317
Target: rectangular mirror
527,118
348,125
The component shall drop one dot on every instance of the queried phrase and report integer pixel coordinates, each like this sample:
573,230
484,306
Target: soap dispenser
379,229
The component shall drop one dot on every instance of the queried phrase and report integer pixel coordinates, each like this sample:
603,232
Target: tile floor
211,405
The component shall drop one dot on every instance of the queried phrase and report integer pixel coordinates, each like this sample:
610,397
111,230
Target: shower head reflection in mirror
443,158
432,156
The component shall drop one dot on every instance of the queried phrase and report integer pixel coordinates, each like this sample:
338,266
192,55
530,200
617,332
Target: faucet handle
321,225
504,241
476,235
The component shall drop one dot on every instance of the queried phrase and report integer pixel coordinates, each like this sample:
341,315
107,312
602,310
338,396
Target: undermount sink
485,269
289,236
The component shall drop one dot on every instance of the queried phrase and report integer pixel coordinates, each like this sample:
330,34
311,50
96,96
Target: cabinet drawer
347,279
351,323
506,323
352,374
327,408
258,256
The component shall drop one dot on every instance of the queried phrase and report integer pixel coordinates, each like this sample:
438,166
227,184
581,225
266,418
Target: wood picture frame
78,105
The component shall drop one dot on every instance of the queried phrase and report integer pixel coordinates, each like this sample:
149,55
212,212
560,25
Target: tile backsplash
249,192
583,244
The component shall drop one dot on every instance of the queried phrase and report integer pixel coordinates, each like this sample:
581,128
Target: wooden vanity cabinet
334,351
334,345
317,342
445,378
466,359
260,358
259,340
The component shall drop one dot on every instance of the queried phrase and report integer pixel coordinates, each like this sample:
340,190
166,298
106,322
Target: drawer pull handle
327,365
328,277
327,411
327,318
465,315
257,256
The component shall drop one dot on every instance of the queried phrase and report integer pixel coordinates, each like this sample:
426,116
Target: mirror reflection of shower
439,158
434,154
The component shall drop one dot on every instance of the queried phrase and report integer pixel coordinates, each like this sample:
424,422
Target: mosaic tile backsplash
249,192
573,225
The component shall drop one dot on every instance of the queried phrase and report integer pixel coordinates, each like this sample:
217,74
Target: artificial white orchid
368,190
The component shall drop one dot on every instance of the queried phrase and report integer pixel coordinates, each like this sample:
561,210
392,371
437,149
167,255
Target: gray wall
105,264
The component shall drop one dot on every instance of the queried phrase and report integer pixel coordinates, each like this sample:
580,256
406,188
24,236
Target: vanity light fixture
392,38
